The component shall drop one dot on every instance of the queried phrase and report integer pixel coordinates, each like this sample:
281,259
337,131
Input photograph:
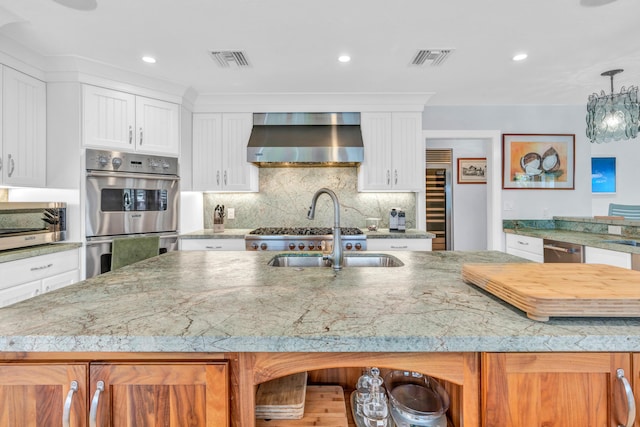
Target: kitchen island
265,322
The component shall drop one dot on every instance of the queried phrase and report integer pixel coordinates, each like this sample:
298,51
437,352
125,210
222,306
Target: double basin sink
350,260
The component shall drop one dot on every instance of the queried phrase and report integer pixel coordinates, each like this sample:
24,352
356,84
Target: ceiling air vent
230,58
431,57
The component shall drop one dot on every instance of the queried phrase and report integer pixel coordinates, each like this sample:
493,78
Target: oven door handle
131,175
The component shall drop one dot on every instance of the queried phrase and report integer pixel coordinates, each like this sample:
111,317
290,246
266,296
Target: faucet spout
337,255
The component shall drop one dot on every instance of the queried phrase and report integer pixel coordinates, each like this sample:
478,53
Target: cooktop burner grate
304,231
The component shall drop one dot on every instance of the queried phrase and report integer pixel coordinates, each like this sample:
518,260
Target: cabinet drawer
525,247
212,245
525,243
398,244
36,268
21,292
60,281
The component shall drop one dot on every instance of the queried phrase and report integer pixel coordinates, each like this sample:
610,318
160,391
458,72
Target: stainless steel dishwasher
555,251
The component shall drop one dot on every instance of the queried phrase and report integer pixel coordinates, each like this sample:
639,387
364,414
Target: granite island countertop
204,301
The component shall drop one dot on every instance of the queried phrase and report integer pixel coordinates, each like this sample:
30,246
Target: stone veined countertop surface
32,251
204,301
239,233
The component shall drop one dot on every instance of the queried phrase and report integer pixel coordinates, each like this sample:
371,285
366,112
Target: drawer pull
631,401
399,247
93,412
520,242
66,412
42,267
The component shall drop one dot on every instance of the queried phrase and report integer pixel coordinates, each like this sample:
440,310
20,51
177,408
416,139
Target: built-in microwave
25,224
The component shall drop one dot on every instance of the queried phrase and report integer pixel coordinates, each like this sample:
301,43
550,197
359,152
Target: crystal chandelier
612,117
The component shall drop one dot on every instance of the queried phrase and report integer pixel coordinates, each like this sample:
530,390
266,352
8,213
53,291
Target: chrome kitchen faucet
337,257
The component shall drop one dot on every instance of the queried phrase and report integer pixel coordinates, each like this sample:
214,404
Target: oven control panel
117,161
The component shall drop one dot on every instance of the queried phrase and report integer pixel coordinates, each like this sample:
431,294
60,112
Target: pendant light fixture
612,117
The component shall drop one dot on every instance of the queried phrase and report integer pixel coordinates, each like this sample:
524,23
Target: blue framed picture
603,174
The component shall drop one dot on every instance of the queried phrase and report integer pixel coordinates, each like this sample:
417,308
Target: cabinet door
157,126
34,395
108,118
171,395
407,161
207,149
553,389
605,256
375,171
237,173
24,129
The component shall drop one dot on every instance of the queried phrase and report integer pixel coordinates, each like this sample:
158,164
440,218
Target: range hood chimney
305,139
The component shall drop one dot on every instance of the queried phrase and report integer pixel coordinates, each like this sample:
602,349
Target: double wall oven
129,194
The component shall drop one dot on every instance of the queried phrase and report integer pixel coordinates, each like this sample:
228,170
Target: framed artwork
603,174
472,170
538,161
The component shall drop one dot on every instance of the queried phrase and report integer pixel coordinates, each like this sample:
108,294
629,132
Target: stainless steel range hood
305,139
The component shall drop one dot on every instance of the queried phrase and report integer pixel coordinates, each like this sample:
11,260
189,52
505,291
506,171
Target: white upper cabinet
24,120
393,154
115,120
220,153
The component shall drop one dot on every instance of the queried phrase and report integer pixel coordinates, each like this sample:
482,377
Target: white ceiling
293,45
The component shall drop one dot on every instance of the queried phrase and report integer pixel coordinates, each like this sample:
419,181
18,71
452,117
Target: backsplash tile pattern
286,193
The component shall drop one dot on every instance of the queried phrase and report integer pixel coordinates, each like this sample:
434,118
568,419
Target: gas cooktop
303,239
304,231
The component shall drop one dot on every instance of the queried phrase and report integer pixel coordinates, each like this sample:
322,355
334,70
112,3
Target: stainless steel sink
623,242
350,260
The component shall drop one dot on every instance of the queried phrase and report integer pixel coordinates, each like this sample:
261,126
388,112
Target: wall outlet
231,213
615,229
545,213
508,205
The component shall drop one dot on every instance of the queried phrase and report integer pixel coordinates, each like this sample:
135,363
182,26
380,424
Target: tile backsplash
285,196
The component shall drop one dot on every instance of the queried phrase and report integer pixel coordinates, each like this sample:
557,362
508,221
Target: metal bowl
416,399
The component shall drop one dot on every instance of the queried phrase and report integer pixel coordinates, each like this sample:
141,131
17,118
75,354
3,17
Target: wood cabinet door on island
43,395
554,389
167,394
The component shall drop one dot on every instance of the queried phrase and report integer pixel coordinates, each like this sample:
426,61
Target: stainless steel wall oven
129,194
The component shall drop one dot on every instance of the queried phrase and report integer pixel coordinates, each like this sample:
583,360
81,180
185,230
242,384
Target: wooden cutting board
560,290
282,398
325,406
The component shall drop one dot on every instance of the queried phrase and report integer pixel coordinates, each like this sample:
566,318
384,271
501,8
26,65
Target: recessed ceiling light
149,59
344,58
520,57
79,4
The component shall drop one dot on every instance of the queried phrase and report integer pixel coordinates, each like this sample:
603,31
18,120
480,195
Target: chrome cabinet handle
12,166
523,243
130,134
0,163
42,267
388,177
225,177
66,412
631,401
217,177
140,136
93,412
395,173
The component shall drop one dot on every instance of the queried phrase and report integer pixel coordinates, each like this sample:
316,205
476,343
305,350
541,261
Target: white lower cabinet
527,247
27,278
212,245
606,256
399,244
